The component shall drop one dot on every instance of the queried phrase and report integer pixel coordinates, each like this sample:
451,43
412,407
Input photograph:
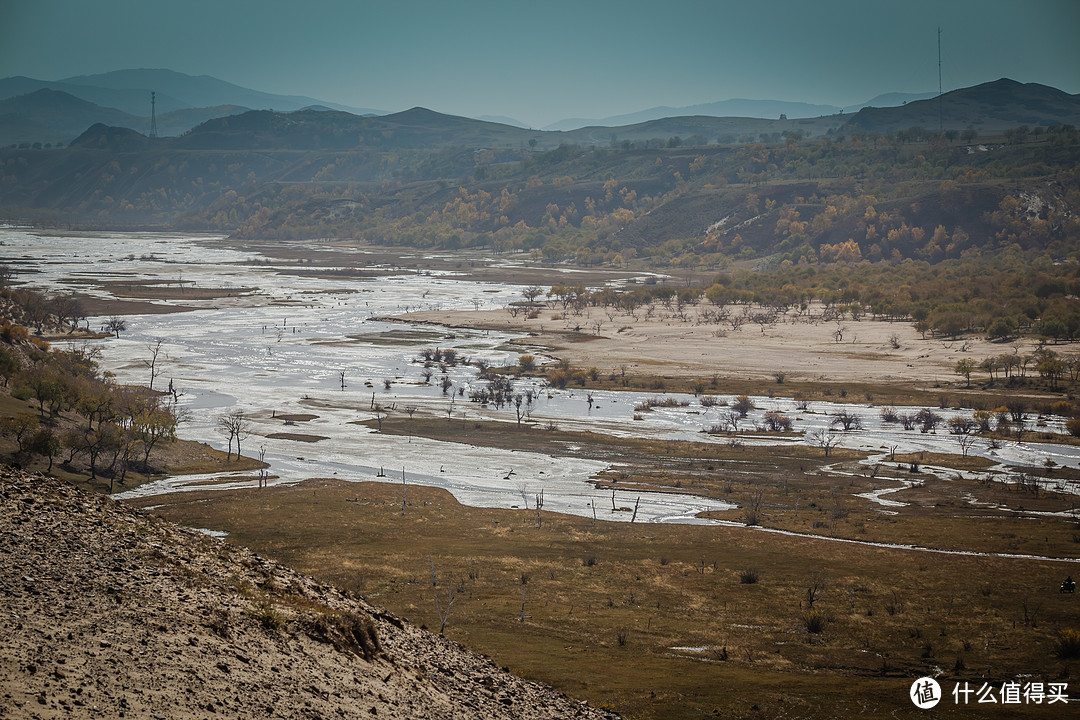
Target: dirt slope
110,612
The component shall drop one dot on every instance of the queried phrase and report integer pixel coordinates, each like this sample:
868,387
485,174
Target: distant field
660,621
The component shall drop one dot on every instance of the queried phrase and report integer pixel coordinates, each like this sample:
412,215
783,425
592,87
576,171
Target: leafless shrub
752,511
847,420
815,621
267,615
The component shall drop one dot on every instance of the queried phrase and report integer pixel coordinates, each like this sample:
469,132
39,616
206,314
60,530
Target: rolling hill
990,107
742,108
60,116
676,189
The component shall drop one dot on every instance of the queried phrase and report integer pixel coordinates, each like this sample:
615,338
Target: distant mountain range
762,109
129,90
427,178
55,113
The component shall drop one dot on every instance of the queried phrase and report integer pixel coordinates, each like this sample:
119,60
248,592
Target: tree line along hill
922,217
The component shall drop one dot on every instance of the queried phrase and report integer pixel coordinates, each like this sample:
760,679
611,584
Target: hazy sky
543,60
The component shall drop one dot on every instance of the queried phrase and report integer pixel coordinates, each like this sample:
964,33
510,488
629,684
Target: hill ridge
117,612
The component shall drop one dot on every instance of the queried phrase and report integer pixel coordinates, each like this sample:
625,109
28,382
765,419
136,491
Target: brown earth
110,612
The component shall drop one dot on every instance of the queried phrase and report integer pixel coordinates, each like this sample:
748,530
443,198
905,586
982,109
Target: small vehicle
1067,585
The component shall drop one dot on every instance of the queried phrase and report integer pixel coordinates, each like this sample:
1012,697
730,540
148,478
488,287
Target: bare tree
824,439
765,319
539,502
752,512
151,363
237,427
819,581
965,442
730,420
929,420
532,292
114,325
523,403
847,420
262,466
443,613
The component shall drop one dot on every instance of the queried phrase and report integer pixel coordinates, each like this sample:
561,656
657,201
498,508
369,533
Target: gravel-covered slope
110,612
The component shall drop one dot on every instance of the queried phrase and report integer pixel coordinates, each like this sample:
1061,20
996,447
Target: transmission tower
153,114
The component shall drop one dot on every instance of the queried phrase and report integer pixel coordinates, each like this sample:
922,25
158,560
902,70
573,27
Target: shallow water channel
281,349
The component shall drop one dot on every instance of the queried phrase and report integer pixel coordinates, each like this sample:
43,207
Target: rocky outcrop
110,612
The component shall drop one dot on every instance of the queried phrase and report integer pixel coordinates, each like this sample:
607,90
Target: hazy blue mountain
762,109
502,120
203,90
61,116
132,101
740,108
889,100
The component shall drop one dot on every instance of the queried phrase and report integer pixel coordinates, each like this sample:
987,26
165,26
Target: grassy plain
658,621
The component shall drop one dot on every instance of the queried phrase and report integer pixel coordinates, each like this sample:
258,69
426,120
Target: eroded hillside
111,612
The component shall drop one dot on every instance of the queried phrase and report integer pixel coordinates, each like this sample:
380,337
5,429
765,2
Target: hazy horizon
539,64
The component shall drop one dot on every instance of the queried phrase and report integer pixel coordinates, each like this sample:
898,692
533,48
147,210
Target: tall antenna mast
153,114
940,125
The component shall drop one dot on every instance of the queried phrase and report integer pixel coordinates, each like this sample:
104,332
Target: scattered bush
748,576
814,621
1073,426
743,404
1067,645
1063,408
777,421
267,615
347,632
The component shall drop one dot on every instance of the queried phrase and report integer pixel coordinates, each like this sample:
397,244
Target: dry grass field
662,621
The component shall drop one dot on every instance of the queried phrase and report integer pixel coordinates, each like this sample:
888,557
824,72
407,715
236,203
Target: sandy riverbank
804,351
